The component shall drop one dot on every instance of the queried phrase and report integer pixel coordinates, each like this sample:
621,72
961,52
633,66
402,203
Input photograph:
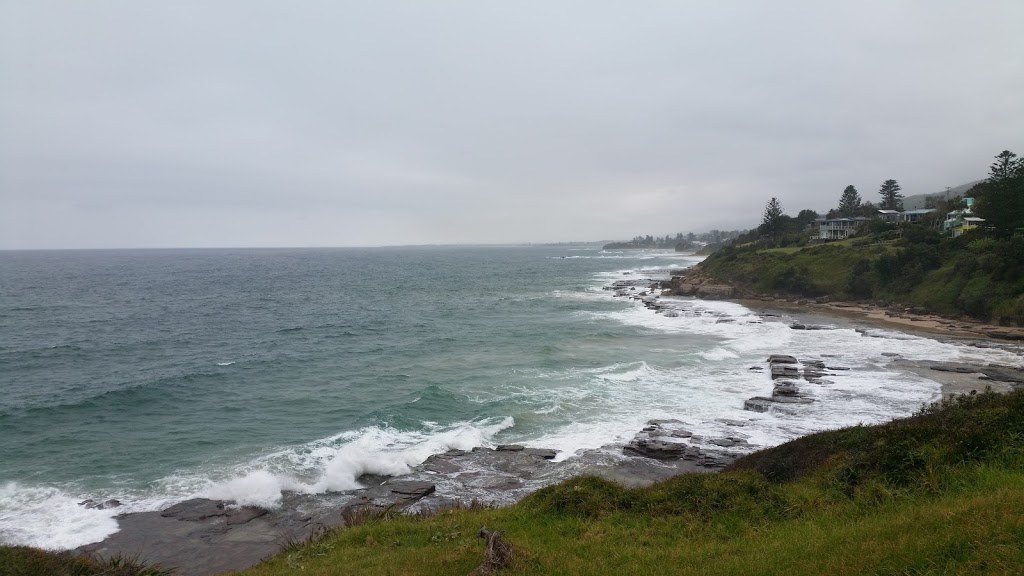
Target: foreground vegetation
941,492
26,561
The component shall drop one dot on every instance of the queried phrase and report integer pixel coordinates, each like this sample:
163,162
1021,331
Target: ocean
152,376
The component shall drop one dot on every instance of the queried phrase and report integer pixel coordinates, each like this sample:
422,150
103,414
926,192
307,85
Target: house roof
920,211
888,212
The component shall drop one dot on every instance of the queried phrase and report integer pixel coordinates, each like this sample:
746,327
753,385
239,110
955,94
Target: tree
806,216
849,202
1000,199
891,197
1006,166
772,218
868,209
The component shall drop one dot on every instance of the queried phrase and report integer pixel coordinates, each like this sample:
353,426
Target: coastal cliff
972,287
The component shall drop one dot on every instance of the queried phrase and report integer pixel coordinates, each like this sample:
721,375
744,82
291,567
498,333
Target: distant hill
918,200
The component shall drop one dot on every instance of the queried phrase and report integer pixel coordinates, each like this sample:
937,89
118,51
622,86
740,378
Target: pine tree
849,203
891,197
1000,199
772,217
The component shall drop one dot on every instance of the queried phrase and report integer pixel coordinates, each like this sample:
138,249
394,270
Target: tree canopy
772,218
1000,198
891,197
849,202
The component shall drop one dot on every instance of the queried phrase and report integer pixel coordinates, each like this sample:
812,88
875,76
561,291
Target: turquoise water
156,375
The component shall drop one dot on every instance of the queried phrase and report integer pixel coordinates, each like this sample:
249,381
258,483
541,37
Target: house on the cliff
836,228
959,221
915,216
889,216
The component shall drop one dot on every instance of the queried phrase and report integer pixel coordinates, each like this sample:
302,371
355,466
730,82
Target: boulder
545,453
791,399
244,514
785,388
784,371
655,448
196,509
781,359
758,404
412,488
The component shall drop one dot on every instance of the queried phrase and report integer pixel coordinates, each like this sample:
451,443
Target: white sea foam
50,518
336,463
224,363
613,402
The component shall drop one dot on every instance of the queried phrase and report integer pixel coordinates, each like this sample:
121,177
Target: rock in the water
509,448
545,453
106,504
784,371
791,399
758,404
785,388
781,359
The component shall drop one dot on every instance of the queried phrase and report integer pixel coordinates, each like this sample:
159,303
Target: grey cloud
330,123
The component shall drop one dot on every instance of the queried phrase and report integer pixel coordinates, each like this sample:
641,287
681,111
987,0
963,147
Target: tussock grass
27,561
941,492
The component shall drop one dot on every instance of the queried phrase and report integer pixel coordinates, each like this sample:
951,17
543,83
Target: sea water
153,376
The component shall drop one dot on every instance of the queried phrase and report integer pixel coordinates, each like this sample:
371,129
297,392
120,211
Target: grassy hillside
972,276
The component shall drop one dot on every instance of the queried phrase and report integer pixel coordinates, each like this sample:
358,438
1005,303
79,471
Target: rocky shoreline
202,537
696,282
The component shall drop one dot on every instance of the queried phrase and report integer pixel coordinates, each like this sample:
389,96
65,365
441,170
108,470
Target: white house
837,228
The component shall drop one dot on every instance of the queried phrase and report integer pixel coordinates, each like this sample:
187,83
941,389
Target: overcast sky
242,123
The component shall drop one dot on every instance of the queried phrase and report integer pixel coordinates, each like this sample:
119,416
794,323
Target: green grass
939,493
982,279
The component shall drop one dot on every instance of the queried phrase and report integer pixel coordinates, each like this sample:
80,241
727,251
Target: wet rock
656,448
196,509
758,404
785,388
791,399
729,422
244,514
545,453
781,359
509,448
412,488
957,368
106,504
784,371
